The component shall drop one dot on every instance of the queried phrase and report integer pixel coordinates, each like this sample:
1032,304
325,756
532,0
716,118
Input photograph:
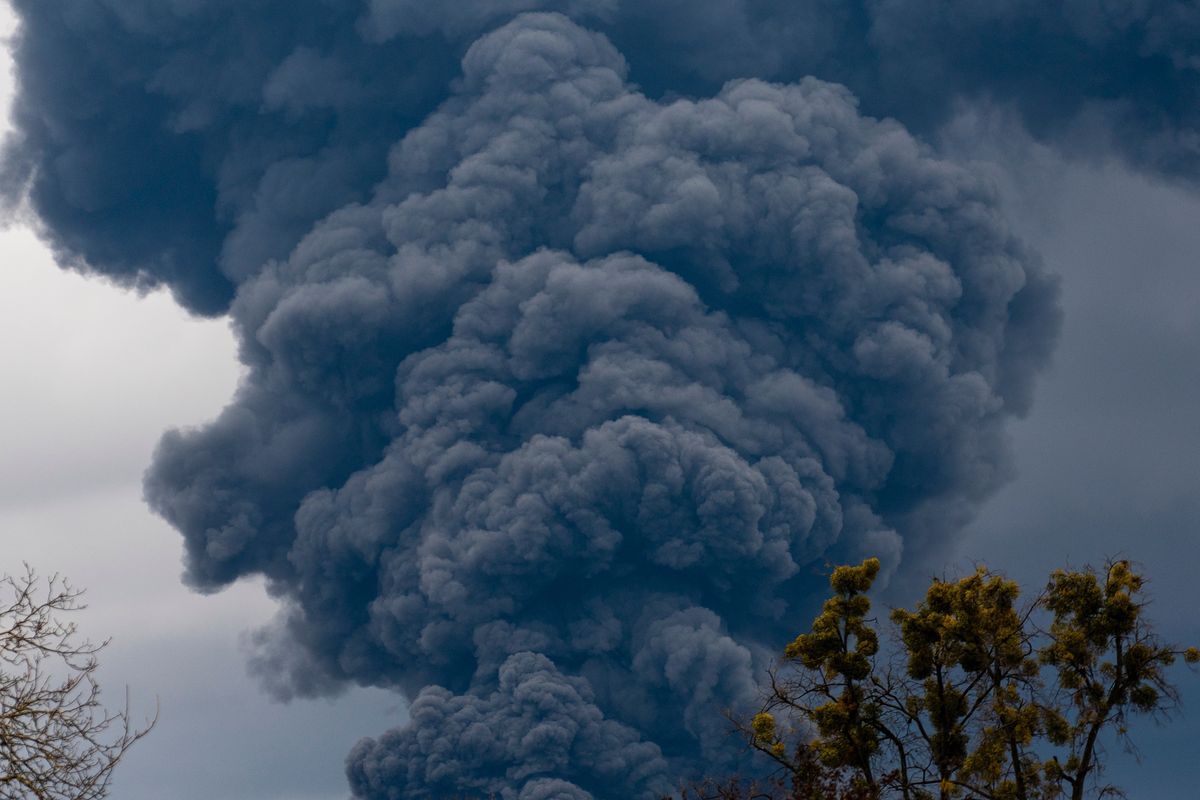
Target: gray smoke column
558,399
548,431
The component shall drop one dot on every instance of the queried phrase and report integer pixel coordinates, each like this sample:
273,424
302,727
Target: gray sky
1108,464
80,419
1109,461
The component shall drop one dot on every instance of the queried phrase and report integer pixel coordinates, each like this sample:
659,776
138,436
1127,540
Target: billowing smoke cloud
556,394
186,142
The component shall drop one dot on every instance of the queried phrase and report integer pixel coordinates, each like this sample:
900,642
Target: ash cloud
570,406
558,392
537,722
183,143
186,143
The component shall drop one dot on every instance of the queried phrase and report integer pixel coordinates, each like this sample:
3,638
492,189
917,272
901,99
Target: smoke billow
186,142
556,390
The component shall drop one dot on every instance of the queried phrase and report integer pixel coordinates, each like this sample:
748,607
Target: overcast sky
1107,464
1109,461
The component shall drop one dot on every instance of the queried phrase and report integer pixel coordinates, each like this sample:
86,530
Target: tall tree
971,679
983,696
1109,664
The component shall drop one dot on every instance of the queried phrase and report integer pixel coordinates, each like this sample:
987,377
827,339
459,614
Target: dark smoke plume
186,142
558,393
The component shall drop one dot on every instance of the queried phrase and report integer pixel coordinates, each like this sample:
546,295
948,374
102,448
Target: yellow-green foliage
1106,656
841,642
840,648
764,735
967,711
965,645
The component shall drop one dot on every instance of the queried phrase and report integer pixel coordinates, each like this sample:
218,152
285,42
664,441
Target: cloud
187,143
167,143
537,722
558,417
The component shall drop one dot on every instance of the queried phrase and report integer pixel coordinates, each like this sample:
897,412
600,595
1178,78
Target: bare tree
57,740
